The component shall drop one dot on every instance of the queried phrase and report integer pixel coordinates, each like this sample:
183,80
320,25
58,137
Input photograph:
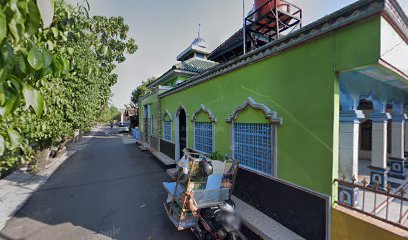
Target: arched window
253,135
167,126
204,134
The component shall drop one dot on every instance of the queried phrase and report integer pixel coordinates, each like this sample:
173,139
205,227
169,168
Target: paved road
108,190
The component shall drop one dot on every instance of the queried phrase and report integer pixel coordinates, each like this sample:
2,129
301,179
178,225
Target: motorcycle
195,202
218,223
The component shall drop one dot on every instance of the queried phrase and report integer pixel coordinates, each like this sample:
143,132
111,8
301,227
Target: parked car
124,127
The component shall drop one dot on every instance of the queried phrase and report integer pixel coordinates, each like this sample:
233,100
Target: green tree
56,73
108,114
141,90
115,113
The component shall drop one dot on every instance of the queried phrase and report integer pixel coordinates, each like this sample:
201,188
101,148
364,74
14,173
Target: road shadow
109,190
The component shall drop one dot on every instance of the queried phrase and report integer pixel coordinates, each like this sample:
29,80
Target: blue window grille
146,111
203,137
152,124
253,146
167,130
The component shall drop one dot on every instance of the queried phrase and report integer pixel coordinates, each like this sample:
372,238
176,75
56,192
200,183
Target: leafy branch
56,72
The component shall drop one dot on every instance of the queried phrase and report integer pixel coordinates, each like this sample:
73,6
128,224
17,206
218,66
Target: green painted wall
203,117
301,85
153,101
166,117
305,139
359,45
251,116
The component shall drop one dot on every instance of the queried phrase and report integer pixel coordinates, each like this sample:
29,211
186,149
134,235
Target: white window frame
273,137
164,131
273,120
212,140
146,110
212,119
167,113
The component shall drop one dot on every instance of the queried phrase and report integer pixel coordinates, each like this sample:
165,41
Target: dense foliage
56,73
217,156
109,114
141,90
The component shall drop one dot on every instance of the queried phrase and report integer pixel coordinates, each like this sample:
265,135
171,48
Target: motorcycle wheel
201,234
196,232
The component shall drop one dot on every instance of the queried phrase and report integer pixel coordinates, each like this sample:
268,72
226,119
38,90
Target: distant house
125,114
298,113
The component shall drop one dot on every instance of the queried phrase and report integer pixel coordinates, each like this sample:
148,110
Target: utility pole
244,26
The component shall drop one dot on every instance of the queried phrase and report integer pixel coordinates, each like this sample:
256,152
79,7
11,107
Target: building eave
154,91
227,46
397,18
183,56
355,12
168,75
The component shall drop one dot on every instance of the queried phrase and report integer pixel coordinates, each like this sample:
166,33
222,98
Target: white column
406,136
349,143
397,142
379,144
378,166
349,131
397,159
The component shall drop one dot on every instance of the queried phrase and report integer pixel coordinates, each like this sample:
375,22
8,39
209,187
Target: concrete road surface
108,190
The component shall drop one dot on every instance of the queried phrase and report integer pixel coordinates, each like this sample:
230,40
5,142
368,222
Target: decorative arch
181,106
206,110
167,113
250,103
177,130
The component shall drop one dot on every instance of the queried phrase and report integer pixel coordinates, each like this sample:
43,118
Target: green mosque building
311,114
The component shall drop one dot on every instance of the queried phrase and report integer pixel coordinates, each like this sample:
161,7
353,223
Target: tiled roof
232,42
191,67
199,45
196,65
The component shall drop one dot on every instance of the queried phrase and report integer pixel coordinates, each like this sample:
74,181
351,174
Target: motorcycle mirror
206,167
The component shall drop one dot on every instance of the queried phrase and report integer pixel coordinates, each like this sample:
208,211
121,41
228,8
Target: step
172,172
127,139
167,161
261,224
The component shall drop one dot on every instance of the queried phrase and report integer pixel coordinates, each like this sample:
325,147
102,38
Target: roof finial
199,28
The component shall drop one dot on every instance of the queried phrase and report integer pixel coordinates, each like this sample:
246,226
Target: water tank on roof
269,19
267,8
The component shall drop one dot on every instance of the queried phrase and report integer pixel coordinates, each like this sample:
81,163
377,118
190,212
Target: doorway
182,131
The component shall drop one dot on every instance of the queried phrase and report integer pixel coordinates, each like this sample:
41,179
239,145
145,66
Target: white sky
163,29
